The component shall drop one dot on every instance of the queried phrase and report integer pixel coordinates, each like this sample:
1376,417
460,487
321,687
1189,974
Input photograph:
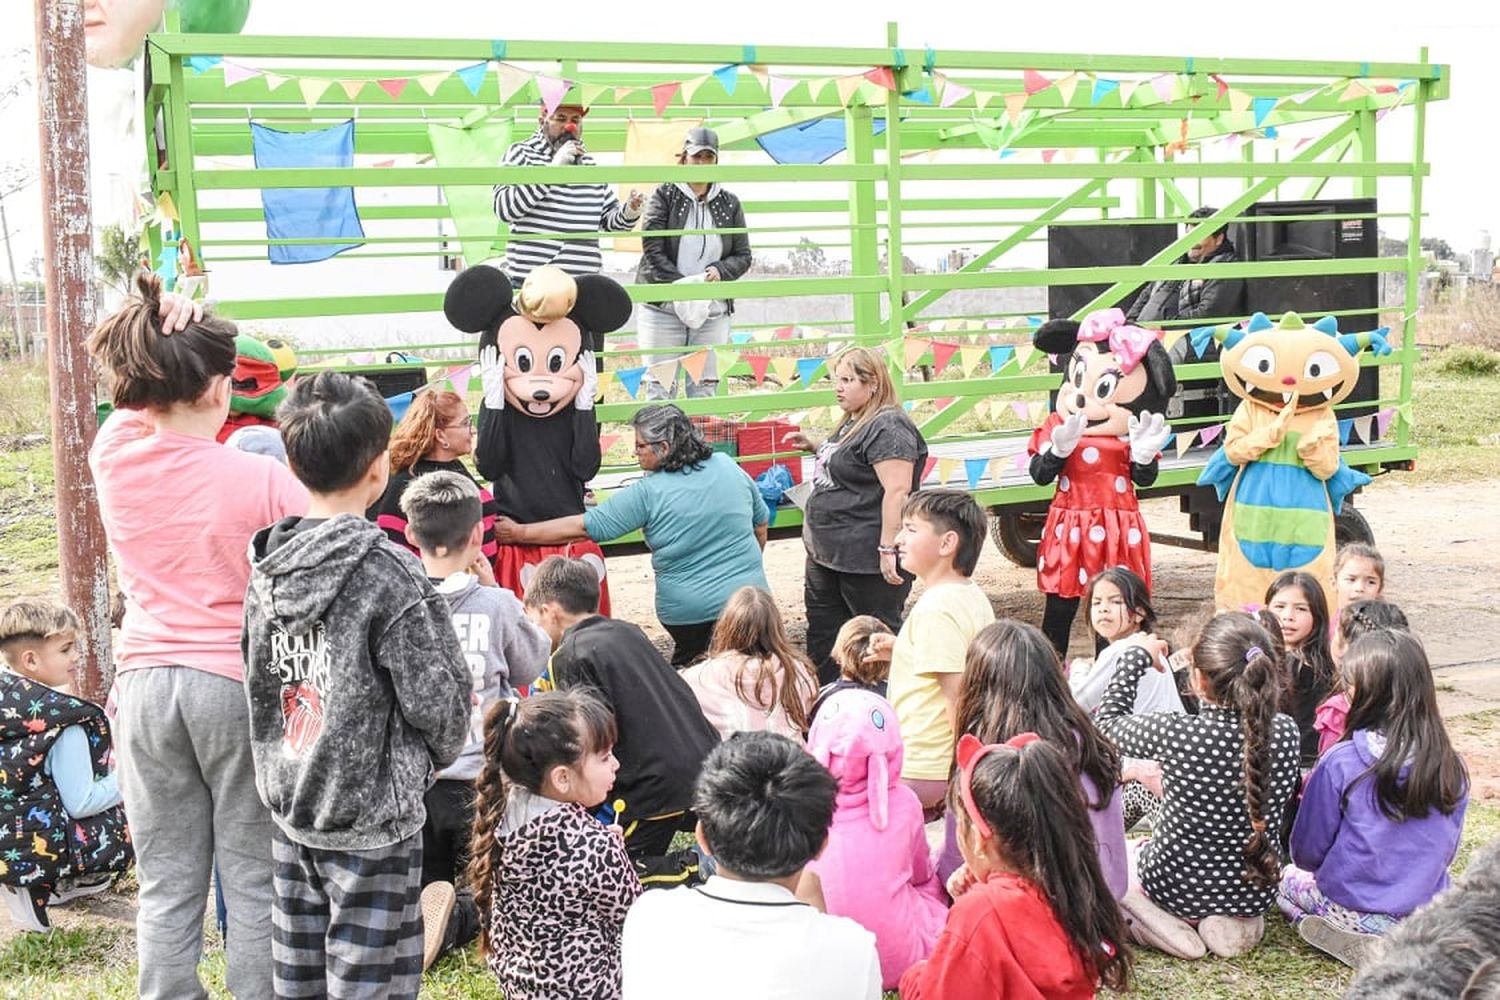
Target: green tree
119,257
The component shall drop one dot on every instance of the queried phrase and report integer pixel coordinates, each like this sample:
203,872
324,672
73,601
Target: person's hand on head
880,647
177,311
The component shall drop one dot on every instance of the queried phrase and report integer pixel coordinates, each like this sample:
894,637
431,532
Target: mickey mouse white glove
1066,434
590,388
1148,432
492,374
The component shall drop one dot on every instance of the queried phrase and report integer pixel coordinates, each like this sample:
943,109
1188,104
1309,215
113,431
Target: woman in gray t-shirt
864,472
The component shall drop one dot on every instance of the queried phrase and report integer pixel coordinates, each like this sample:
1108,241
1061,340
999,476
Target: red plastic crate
763,437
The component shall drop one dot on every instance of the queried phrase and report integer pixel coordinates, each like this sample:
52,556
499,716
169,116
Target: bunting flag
473,76
974,470
1354,91
941,403
1102,89
969,358
1014,104
882,76
1164,84
393,86
1239,101
352,88
1365,427
430,82
312,88
1022,413
1066,86
1127,91
235,73
552,91
664,372
1263,107
1221,84
945,469
694,364
785,369
847,87
1024,354
740,337
953,93
275,80
202,64
1037,412
1170,337
942,353
779,88
807,369
927,468
725,358
728,77
915,349
758,364
1048,155
511,81
783,332
1210,434
1184,442
1034,82
630,378
607,441
1020,460
589,93
1000,355
1345,426
1383,420
982,98
623,94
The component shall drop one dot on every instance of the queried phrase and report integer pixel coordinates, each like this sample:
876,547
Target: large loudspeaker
1099,246
1280,239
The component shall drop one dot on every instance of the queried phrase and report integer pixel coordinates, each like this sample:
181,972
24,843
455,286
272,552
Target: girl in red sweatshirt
1033,917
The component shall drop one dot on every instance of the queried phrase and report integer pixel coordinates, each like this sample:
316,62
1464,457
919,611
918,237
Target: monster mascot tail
1101,441
538,437
1279,471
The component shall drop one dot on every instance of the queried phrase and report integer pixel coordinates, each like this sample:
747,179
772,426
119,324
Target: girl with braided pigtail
1210,869
552,884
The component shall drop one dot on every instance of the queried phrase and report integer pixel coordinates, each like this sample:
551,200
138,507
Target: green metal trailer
995,149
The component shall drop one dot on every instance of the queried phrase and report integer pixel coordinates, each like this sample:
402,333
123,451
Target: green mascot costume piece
259,385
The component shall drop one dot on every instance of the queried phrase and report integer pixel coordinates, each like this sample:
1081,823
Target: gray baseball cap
699,139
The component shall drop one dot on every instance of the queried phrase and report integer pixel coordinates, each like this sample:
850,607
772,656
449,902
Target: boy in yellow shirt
941,534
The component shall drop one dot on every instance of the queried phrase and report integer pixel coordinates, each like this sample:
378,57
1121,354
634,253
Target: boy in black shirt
663,734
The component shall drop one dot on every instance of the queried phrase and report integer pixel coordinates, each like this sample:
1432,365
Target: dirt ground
1442,550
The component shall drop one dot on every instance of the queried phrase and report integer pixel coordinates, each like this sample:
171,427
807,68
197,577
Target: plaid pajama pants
346,924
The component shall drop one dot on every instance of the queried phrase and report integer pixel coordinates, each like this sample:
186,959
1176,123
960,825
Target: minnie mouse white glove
1148,432
492,374
590,388
1066,434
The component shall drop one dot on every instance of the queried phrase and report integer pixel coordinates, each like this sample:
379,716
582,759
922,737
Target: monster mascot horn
538,438
1102,439
1279,471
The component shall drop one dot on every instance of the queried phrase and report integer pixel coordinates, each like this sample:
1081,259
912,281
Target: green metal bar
1339,153
180,137
1147,204
895,257
1366,187
1413,259
864,255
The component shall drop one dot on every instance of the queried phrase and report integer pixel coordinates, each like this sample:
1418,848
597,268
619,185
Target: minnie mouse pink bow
1126,342
970,753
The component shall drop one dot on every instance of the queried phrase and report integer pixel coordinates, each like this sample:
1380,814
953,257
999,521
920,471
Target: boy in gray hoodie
505,651
358,693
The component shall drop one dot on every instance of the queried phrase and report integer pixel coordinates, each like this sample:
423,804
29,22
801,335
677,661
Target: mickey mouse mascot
538,437
1102,439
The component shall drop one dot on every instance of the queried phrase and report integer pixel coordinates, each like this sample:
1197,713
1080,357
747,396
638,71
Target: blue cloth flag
974,470
811,142
307,213
1000,355
1262,107
728,77
807,368
473,76
1103,87
630,378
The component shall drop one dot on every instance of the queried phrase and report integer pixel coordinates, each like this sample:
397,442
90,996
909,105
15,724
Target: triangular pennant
1239,101
1048,155
166,207
1020,460
393,86
1221,84
927,468
1014,104
275,80
662,94
943,402
1383,420
1170,337
1164,84
1210,434
882,76
1024,354
235,73
202,64
969,358
1364,427
1066,86
807,369
630,378
589,93
1036,413
1345,427
1184,442
664,372
1034,82
953,93
725,359
785,369
758,364
552,91
728,77
1020,410
945,469
694,364
783,332
511,81
1000,355
1263,107
430,82
623,94
982,98
942,353
1354,91
607,441
352,88
847,87
974,470
691,87
1102,89
1127,91
914,349
779,88
313,88
761,74
473,76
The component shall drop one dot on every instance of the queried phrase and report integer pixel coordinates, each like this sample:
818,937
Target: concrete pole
68,269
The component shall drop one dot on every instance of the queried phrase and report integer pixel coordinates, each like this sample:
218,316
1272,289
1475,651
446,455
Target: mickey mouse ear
478,299
603,305
1057,336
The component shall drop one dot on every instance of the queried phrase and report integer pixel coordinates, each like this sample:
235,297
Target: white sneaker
26,911
76,888
437,907
1349,947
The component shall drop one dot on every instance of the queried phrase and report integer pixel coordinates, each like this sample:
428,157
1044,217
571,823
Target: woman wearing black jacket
715,256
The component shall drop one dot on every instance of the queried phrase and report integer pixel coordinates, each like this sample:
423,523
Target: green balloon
222,17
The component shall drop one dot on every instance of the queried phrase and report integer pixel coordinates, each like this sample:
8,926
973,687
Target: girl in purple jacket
1383,811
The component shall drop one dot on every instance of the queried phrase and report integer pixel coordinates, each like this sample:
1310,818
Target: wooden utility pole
68,269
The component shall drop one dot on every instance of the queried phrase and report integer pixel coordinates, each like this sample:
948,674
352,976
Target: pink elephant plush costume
877,868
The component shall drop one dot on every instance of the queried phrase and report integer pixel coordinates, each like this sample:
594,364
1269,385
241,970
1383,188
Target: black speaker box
1102,245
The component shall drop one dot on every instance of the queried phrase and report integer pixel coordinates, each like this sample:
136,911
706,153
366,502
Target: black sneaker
28,910
70,889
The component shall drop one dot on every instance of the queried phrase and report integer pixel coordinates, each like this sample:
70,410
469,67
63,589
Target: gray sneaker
76,888
1349,947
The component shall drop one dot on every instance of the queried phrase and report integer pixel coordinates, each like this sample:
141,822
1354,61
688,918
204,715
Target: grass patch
28,522
23,399
1456,443
1468,361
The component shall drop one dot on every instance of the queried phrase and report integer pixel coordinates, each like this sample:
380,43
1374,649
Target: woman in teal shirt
703,519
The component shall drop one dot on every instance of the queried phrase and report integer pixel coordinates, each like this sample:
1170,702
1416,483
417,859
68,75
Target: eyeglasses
451,427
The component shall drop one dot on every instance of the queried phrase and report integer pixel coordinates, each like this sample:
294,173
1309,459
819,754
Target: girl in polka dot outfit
1227,776
1101,441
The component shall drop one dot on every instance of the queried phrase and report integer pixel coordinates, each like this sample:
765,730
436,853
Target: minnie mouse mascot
538,437
1102,440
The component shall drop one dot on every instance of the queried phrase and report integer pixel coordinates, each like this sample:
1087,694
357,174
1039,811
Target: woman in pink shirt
179,510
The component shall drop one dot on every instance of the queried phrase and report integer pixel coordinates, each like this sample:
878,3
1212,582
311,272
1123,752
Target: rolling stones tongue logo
301,662
301,717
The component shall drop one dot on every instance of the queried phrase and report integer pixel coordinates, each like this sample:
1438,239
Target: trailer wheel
1350,526
1016,535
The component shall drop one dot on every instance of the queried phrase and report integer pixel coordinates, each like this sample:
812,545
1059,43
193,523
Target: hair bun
148,286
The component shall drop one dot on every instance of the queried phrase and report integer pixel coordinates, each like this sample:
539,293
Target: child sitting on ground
1300,607
62,829
358,690
877,868
1358,575
552,883
764,808
860,669
663,734
505,651
1227,774
939,541
1013,684
1383,812
752,680
1033,914
1357,619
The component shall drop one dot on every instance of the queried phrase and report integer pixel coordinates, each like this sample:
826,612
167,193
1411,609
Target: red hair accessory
970,753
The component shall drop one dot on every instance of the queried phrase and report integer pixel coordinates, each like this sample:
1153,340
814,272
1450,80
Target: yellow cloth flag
649,144
1014,105
430,82
352,88
785,369
1238,100
312,88
1185,441
946,467
914,349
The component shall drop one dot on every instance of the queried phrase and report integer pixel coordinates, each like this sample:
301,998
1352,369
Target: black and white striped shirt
555,208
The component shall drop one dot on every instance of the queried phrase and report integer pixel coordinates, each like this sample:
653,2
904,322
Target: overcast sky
1461,194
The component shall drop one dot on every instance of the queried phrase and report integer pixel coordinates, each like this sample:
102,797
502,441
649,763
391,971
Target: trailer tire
1017,534
1349,525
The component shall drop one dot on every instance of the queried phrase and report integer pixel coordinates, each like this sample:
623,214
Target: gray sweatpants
182,741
